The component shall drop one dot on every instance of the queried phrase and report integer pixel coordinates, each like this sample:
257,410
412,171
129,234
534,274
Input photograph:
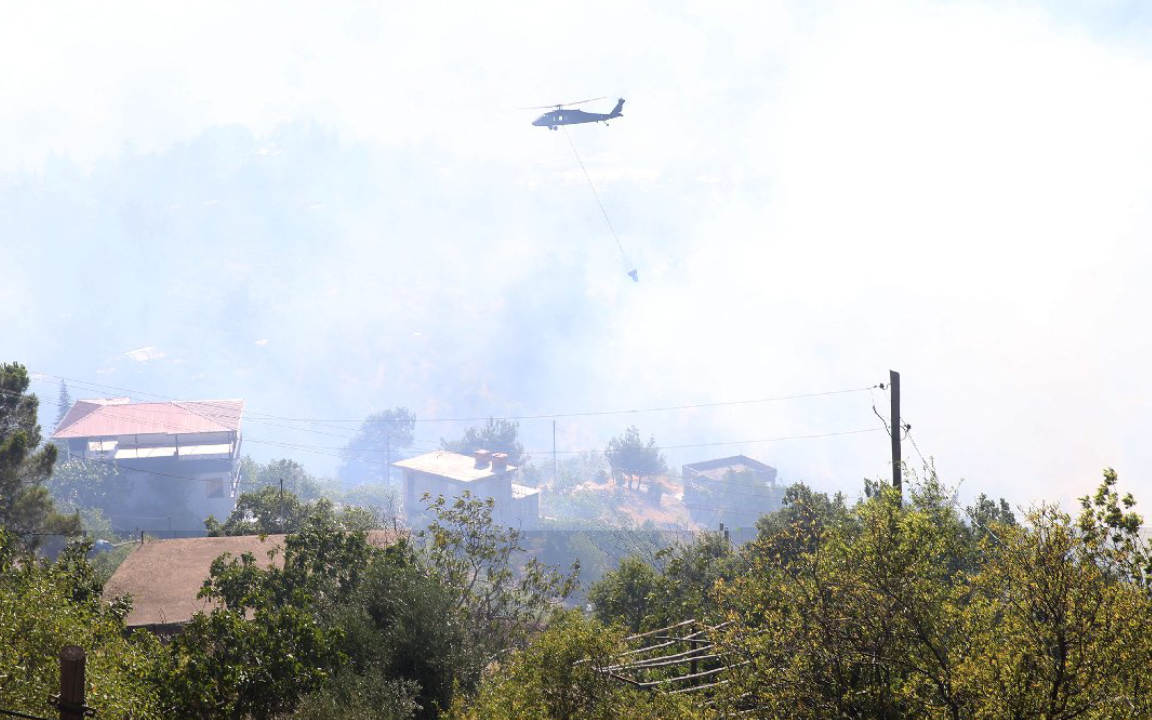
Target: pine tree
64,402
26,507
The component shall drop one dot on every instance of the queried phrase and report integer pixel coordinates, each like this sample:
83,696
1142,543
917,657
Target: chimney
482,457
499,461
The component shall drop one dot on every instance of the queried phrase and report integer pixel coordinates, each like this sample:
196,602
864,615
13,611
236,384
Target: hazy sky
329,209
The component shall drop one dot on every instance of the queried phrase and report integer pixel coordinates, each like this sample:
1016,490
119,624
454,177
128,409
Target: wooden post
897,463
72,683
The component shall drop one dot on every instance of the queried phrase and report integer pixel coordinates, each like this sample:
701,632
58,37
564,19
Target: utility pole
281,504
555,470
897,463
388,459
71,698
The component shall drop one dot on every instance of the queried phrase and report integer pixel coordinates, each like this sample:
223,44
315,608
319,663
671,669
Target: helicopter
561,116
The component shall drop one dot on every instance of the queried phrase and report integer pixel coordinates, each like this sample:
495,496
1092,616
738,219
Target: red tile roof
105,418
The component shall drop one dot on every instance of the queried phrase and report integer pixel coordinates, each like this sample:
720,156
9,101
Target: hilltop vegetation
912,610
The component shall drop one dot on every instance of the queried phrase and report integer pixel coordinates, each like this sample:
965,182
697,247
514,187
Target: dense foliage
558,678
269,511
416,621
79,484
902,608
630,456
26,507
47,605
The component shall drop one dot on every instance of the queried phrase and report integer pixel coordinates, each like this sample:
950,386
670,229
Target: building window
215,487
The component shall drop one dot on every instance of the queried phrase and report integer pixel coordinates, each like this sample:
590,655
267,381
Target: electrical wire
13,713
341,452
538,452
538,416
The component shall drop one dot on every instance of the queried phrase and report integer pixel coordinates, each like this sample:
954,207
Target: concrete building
734,490
183,456
483,474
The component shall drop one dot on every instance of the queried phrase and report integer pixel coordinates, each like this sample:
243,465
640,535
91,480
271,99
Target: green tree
630,456
906,610
1053,632
799,525
497,435
366,454
626,595
1112,527
79,484
255,476
46,605
26,507
501,604
268,511
558,677
679,584
403,624
855,613
363,697
986,515
267,642
63,404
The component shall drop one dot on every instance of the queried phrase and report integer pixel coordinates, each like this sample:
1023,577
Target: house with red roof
183,457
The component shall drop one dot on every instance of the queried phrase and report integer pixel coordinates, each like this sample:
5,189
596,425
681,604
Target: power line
341,451
491,416
666,408
317,449
13,713
766,440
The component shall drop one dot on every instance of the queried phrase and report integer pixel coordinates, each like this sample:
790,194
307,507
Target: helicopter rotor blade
557,106
581,102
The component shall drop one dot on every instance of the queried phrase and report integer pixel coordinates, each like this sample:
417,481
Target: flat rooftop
717,469
454,466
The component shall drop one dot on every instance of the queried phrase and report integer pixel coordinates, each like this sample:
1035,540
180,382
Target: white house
483,474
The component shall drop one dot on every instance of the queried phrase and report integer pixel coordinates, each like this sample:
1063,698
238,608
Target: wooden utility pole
897,463
388,459
282,519
71,700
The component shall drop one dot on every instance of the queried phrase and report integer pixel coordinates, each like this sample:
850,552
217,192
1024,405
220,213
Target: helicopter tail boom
616,111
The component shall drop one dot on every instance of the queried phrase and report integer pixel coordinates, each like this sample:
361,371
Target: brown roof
164,576
454,466
111,417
